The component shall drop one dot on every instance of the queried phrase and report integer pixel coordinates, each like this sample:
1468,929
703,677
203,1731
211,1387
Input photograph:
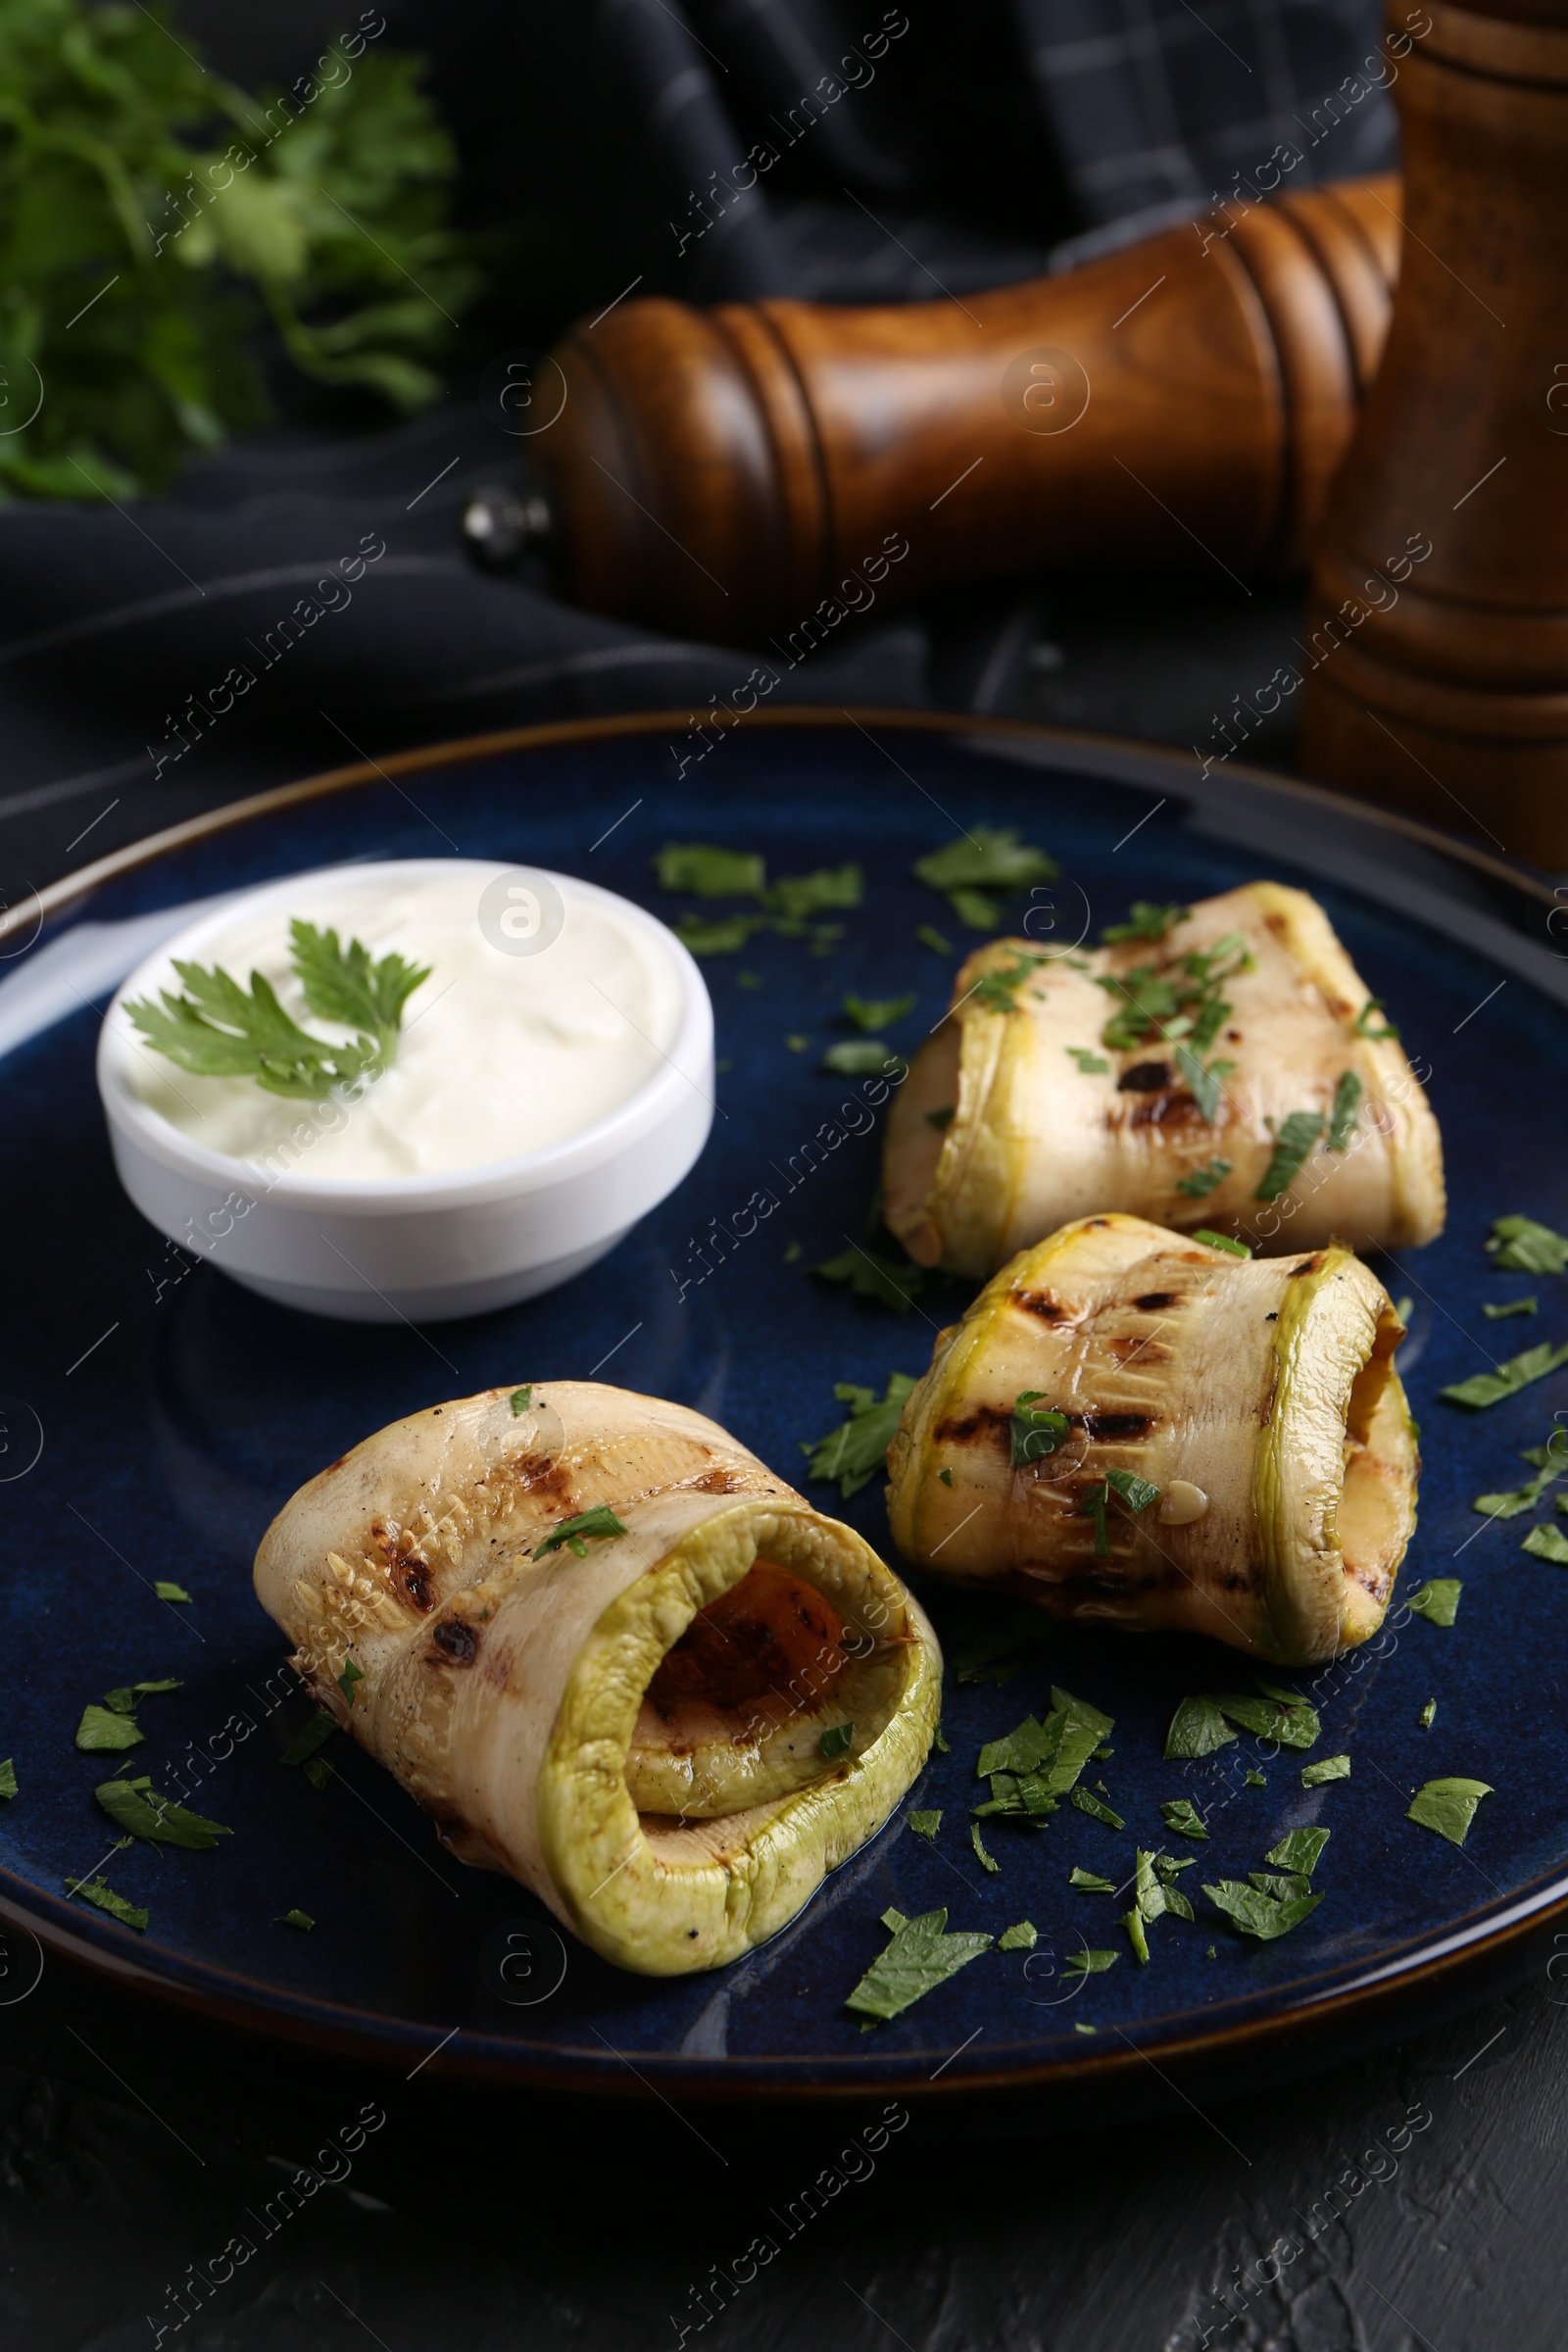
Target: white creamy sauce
498,1054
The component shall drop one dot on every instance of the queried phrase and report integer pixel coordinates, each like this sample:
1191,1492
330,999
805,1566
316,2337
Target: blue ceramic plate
156,1416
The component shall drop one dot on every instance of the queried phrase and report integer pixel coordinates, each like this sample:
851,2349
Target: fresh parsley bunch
152,212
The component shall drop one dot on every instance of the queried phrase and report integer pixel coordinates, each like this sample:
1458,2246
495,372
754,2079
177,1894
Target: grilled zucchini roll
613,1656
1131,1426
1230,1073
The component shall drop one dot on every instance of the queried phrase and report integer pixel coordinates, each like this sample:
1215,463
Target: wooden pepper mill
1183,403
1446,690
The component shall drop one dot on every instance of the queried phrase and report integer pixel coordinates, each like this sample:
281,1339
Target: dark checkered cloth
845,150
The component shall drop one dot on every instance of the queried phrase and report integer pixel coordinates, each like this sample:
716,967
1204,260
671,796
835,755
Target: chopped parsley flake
724,934
1021,1937
1204,1085
1429,1715
1035,1431
1437,1600
946,1477
131,1806
1515,1306
8,1778
1288,1721
130,1696
998,989
999,1648
1368,1025
861,1058
1097,1809
1222,1240
942,1119
983,859
589,1527
698,870
795,1043
1332,1768
1038,1763
1183,1817
1519,1245
836,1741
921,1957
98,1891
1136,1492
1346,1111
985,1860
297,1919
1093,1065
1294,1139
939,1741
878,1013
1512,1504
855,1451
347,1680
1447,1806
1089,1882
1089,1963
1299,1851
1506,1379
1547,1544
1254,1779
1144,922
321,1728
521,1399
1133,1922
927,1824
1197,1729
166,1589
1093,1503
869,1275
1256,1911
1199,1183
104,1727
930,937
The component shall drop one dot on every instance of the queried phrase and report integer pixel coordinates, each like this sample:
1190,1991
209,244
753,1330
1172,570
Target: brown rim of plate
347,2031
1159,765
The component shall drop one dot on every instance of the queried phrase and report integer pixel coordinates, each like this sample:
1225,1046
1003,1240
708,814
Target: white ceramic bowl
410,1248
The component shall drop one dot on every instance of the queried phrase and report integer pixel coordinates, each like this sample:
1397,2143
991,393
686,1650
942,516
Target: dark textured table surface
1406,2200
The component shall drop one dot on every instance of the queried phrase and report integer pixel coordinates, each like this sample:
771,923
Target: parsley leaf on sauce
1204,1085
836,1741
1144,922
1093,1065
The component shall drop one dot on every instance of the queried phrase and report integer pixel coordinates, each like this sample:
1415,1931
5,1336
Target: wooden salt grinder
1442,684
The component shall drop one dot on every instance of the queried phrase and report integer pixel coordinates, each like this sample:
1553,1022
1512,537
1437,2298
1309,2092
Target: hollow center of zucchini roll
739,1707
1376,1511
